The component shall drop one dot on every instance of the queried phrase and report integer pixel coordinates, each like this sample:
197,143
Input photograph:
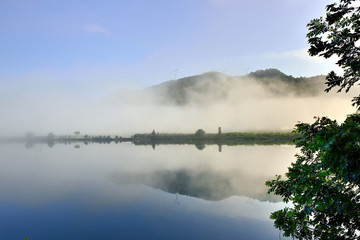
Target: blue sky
142,42
65,58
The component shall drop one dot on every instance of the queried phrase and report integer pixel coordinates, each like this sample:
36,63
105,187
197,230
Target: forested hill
216,86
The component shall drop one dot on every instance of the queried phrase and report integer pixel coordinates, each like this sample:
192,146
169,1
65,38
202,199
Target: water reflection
115,190
205,184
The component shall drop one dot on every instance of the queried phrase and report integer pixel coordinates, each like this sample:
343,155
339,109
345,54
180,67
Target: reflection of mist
206,184
72,185
41,174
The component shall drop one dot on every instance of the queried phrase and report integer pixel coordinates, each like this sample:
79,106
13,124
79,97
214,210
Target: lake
123,191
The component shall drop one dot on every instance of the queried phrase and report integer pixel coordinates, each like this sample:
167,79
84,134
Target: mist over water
235,105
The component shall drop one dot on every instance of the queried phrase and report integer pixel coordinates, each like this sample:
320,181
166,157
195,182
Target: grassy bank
230,138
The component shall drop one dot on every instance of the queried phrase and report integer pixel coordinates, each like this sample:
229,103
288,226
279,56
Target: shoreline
199,139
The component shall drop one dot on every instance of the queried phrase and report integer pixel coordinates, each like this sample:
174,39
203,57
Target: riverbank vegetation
230,138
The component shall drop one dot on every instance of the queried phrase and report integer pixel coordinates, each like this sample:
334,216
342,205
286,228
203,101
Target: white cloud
301,60
293,62
95,28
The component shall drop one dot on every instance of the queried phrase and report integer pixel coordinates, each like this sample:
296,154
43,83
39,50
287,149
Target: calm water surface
123,191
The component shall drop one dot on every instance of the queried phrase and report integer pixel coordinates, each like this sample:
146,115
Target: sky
140,43
75,53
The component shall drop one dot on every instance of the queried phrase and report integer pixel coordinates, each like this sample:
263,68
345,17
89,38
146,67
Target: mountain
216,86
301,86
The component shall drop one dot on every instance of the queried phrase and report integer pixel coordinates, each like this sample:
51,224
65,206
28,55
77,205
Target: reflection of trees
29,144
50,139
200,145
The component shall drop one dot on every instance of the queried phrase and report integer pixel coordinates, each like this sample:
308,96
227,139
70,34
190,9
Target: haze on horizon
239,104
71,66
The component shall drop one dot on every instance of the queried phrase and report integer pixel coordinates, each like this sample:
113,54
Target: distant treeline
200,139
230,138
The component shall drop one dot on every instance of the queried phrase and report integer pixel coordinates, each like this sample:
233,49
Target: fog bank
238,104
